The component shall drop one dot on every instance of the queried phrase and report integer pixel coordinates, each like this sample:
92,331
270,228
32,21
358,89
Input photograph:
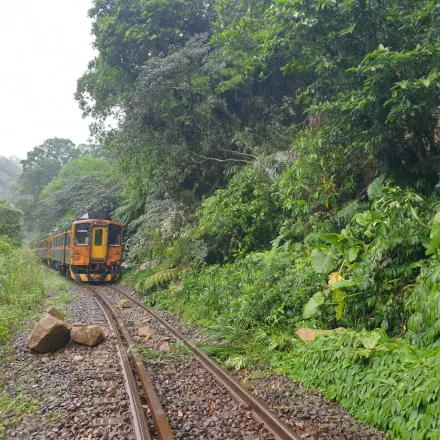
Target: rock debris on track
309,414
196,405
65,389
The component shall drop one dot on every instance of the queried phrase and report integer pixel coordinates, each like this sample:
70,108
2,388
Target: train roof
95,216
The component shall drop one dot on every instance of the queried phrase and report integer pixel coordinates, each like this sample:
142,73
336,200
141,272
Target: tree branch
220,160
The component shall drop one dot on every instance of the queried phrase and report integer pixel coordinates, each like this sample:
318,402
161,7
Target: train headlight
76,256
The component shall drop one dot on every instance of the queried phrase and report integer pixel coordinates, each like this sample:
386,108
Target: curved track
134,374
260,413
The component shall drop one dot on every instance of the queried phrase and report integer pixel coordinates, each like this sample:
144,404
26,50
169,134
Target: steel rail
260,413
128,352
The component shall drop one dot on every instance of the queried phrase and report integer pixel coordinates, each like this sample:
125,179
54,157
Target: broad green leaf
311,308
374,190
370,340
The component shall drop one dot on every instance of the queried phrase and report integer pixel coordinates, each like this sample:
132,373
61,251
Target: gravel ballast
65,389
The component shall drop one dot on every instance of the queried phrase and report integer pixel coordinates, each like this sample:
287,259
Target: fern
162,277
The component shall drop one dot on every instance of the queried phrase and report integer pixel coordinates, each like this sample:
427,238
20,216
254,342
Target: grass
26,289
24,286
178,352
14,410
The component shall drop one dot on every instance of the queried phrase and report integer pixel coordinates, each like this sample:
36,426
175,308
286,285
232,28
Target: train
88,249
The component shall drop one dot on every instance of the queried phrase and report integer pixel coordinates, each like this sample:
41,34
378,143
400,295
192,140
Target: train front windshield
114,235
82,232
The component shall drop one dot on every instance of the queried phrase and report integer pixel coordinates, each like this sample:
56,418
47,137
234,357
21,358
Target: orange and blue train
88,249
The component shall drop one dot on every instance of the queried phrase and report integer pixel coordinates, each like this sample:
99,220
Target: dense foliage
243,153
61,181
277,161
10,222
383,382
84,184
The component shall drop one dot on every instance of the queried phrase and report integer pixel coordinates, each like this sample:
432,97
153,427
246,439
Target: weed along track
201,400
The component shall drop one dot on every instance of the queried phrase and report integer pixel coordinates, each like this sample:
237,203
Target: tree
127,34
10,221
83,184
42,165
57,149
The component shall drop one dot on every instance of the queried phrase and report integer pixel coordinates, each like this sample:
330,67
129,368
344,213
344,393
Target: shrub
373,263
262,288
241,218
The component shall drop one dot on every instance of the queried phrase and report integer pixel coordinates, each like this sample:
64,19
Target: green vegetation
14,410
387,383
10,224
24,283
275,163
84,184
281,163
61,181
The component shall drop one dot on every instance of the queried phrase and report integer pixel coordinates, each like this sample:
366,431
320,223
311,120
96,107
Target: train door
99,243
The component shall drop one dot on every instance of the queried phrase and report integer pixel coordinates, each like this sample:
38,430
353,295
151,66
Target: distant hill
10,171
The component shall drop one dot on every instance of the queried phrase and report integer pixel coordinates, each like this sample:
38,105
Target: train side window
98,237
114,235
82,232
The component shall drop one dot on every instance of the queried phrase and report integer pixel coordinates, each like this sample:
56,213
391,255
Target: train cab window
114,235
98,237
82,232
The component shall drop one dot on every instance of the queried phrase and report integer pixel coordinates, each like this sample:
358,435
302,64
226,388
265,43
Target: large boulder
50,334
87,334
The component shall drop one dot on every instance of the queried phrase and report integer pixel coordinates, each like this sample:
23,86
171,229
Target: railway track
262,416
137,381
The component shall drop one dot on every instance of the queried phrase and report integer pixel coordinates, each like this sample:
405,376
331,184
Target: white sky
45,47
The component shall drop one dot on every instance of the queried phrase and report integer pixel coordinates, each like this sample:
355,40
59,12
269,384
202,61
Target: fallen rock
50,334
145,332
78,358
87,334
166,348
124,304
55,312
309,334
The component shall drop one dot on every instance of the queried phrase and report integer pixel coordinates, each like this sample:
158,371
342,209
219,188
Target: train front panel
96,250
